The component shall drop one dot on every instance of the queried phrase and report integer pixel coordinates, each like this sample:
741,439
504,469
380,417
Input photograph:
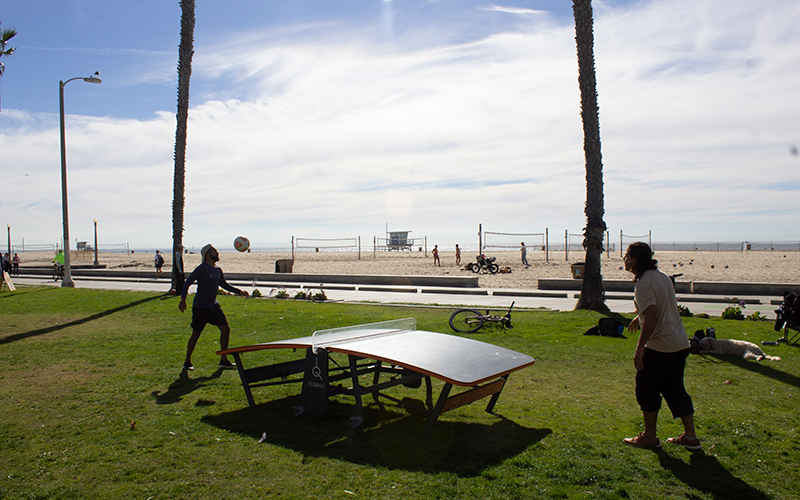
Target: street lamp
95,244
9,240
67,281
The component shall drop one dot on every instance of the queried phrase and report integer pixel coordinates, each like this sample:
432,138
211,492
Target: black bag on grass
607,327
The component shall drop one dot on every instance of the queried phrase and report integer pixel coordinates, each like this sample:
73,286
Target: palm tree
592,293
5,51
185,53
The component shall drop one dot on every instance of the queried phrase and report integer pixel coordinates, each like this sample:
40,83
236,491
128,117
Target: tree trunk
592,293
185,53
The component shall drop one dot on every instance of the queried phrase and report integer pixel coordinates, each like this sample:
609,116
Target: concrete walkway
497,298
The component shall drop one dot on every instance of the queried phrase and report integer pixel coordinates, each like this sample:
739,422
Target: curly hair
641,251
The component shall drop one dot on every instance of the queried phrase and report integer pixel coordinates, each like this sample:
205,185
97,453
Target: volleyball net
631,239
503,242
317,245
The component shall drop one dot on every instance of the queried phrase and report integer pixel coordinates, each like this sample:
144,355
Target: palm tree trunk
185,53
592,293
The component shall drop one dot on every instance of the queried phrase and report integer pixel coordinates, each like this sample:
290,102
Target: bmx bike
471,320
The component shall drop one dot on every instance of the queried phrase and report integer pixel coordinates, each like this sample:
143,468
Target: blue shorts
202,316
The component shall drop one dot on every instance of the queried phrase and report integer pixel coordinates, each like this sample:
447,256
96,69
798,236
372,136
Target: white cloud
513,10
308,132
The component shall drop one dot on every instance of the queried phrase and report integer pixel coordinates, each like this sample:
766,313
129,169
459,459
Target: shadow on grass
182,386
390,438
21,290
50,329
704,473
764,368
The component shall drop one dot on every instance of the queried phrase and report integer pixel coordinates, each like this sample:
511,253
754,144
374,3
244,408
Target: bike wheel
466,321
493,268
475,268
55,274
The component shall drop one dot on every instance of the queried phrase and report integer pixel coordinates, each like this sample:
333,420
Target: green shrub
757,316
733,312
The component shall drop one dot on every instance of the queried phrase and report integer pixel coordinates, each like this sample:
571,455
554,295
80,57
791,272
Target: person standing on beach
15,263
524,251
158,260
660,356
180,276
436,256
458,255
206,308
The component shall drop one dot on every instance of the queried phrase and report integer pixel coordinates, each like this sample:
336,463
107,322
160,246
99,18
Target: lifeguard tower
399,240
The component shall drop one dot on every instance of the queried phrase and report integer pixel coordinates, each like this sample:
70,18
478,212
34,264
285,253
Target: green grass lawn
94,405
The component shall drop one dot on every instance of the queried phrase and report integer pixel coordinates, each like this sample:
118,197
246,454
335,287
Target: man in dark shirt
206,308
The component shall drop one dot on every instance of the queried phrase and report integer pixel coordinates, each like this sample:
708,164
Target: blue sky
332,119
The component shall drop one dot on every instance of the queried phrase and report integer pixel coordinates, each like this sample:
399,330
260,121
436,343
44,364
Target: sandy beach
733,266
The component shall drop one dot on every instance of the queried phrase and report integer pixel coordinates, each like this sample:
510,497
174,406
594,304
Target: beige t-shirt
655,288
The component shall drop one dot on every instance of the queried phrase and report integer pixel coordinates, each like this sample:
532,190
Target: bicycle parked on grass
471,320
58,272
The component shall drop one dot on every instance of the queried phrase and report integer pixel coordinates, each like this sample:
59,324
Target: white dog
747,350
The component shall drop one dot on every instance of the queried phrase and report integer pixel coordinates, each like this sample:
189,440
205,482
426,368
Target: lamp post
95,244
67,281
9,240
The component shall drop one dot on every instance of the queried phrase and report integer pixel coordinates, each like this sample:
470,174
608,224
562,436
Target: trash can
284,266
577,270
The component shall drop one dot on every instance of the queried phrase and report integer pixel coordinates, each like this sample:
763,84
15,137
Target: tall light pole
9,239
95,244
67,281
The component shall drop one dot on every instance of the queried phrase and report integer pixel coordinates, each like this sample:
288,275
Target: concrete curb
347,279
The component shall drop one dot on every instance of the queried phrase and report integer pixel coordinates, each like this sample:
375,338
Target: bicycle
58,272
482,263
471,320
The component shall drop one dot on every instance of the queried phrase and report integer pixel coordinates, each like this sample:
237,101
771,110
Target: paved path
498,298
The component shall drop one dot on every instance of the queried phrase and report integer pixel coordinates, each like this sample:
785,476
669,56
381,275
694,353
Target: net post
547,245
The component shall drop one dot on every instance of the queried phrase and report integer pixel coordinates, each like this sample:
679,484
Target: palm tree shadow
182,386
389,437
760,367
50,329
704,473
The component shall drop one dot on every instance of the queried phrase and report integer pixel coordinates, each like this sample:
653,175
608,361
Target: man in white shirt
660,357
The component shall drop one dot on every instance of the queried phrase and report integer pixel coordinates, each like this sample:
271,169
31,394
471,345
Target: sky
338,119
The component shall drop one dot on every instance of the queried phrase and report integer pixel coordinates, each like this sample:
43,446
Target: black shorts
662,375
202,316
